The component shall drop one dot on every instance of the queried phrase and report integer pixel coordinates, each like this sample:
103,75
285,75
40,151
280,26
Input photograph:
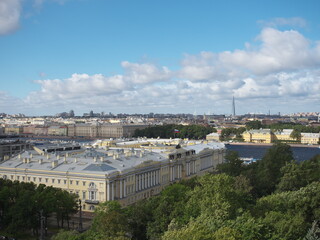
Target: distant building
258,136
284,135
310,138
13,130
10,147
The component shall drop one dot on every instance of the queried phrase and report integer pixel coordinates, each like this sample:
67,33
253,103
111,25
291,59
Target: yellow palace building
100,173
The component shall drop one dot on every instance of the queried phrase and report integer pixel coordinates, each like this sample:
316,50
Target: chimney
75,160
48,157
101,159
40,161
54,163
95,159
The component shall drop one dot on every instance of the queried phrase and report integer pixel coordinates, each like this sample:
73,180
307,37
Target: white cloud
279,51
279,71
145,73
10,11
277,22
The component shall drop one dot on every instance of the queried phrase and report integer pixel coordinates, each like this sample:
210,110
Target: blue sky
159,56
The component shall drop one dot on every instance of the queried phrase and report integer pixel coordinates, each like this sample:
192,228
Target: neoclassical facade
98,174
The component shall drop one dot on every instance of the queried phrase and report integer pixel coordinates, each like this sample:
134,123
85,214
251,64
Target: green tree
110,222
296,134
268,172
253,125
232,165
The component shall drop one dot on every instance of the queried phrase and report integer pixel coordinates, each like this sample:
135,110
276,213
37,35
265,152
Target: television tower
233,107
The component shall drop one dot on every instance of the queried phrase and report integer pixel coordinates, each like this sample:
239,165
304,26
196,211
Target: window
28,178
91,207
83,195
34,179
11,176
59,181
92,195
65,181
70,181
83,183
40,179
18,177
23,178
47,180
77,182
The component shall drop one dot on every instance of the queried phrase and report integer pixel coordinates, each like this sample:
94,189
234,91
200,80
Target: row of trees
168,131
22,205
280,126
232,133
275,198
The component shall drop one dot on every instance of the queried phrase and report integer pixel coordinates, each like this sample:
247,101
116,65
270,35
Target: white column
121,188
108,191
145,176
137,183
140,182
124,188
112,191
153,178
149,179
188,169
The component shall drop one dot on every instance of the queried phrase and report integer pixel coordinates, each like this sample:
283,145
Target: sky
164,56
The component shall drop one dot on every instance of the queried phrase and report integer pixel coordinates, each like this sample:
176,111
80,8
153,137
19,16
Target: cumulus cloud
10,11
279,51
145,73
279,71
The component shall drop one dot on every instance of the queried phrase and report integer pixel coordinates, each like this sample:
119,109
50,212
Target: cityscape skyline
162,57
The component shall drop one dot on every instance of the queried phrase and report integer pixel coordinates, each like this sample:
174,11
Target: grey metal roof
99,167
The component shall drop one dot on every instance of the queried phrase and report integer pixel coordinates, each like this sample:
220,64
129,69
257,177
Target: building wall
310,138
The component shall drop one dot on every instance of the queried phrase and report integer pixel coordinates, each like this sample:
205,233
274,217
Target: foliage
226,133
267,172
253,125
168,131
297,175
291,213
21,203
313,233
295,134
169,205
296,126
232,165
110,222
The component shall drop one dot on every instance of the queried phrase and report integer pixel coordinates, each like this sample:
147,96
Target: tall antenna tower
233,107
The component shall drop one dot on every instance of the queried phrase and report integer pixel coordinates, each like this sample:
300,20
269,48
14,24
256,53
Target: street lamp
80,216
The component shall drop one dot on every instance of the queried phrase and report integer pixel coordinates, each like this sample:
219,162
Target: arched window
92,185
